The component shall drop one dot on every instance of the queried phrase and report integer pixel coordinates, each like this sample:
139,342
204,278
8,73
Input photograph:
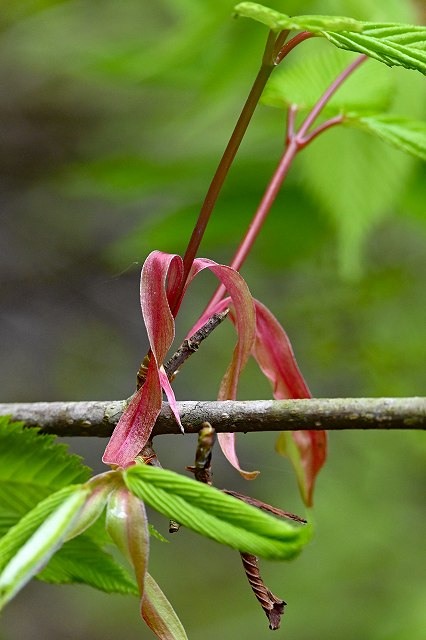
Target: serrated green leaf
159,614
81,560
39,547
402,133
277,21
214,514
390,43
302,81
24,529
32,466
354,180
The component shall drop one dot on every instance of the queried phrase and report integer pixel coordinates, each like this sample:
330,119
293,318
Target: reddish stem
260,215
332,122
295,142
285,50
291,119
313,115
275,52
225,163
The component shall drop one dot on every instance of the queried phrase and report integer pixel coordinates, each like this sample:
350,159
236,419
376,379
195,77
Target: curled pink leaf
160,277
306,449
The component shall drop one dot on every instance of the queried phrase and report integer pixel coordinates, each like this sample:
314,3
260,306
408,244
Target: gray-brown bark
95,418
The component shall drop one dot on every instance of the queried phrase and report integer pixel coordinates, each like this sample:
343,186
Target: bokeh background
112,118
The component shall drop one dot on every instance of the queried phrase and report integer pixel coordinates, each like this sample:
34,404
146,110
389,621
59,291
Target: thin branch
332,122
327,95
259,504
285,50
96,418
294,143
225,163
187,348
291,118
191,345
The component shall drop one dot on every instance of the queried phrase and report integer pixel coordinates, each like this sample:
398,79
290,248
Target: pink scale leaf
127,524
272,350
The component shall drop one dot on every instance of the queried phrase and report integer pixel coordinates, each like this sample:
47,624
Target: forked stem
295,141
275,51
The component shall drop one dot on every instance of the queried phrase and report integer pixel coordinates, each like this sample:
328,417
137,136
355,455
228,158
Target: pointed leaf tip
159,614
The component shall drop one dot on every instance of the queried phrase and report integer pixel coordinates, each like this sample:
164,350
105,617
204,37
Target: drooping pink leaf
306,449
245,321
135,425
275,356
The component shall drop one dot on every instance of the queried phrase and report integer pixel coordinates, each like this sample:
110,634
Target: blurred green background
113,117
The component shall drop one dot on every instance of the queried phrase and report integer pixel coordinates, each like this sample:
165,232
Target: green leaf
159,614
302,81
32,466
40,545
355,181
402,133
100,487
16,537
280,21
214,514
81,560
391,43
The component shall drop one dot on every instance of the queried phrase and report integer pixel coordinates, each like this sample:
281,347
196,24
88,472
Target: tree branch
96,418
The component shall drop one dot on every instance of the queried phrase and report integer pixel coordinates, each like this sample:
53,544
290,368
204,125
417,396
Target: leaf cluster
58,534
